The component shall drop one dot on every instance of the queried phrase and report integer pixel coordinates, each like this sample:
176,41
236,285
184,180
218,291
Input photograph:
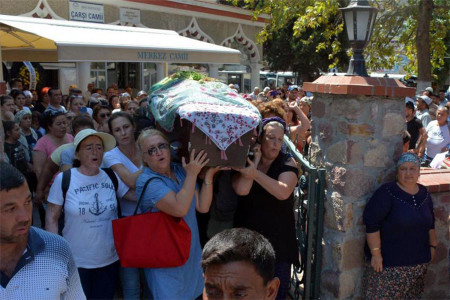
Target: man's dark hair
7,127
10,177
81,121
4,98
409,105
50,91
240,244
13,82
97,90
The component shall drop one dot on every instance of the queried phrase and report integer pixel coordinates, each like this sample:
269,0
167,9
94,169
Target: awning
43,40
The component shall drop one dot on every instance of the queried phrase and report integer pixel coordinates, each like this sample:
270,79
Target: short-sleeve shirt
274,219
46,270
438,138
115,157
60,109
56,156
16,155
413,127
186,281
46,145
424,116
89,209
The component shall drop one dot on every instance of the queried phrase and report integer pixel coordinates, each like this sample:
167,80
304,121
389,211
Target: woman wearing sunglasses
101,116
173,192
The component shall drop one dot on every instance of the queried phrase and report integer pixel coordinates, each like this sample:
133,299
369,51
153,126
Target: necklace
411,200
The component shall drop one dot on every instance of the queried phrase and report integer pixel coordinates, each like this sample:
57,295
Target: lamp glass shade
362,19
348,15
372,23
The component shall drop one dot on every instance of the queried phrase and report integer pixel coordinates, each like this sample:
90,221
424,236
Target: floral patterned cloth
211,106
404,282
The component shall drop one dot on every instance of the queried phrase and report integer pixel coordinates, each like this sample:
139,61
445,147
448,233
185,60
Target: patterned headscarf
20,114
408,157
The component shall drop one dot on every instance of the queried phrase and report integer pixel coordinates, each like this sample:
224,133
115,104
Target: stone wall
356,139
437,281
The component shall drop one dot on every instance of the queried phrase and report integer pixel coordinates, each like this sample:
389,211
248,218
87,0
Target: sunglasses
52,112
103,115
153,150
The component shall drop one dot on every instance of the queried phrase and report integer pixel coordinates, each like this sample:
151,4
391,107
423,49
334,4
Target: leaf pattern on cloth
222,123
222,114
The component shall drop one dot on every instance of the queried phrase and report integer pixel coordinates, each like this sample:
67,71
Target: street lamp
359,19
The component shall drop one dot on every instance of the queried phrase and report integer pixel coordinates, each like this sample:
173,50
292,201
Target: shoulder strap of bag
142,194
113,177
65,183
115,182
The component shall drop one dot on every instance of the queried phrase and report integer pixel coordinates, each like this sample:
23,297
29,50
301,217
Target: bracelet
434,247
374,249
207,183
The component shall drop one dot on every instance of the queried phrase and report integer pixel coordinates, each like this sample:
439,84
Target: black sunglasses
153,150
105,115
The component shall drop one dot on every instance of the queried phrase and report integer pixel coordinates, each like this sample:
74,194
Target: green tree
401,29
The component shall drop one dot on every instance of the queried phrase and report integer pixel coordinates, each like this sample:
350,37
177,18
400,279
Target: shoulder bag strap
65,183
115,182
142,194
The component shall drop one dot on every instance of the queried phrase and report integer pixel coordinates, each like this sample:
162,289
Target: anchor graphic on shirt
97,208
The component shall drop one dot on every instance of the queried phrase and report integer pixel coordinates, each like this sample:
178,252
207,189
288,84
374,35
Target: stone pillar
160,71
83,75
256,68
213,70
357,126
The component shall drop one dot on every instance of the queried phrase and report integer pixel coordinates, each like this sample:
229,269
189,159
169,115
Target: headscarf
408,157
20,114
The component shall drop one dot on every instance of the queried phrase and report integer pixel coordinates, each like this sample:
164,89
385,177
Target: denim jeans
130,283
100,283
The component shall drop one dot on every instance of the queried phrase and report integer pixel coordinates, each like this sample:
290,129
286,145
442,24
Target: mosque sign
86,12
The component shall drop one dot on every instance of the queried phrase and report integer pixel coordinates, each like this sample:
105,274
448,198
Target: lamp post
359,19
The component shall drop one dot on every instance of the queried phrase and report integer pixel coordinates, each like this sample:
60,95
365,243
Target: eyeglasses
153,150
105,115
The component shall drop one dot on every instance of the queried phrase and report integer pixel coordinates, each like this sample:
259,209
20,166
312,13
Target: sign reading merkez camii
86,12
163,56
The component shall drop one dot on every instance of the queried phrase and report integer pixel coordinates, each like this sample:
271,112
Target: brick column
357,125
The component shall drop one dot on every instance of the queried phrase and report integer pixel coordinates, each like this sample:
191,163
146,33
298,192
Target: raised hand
196,163
250,171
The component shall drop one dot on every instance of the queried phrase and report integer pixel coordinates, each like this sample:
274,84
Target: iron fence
309,209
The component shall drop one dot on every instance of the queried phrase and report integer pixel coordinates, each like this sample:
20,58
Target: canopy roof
43,40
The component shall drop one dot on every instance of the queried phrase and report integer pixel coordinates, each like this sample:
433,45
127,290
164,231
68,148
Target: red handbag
151,240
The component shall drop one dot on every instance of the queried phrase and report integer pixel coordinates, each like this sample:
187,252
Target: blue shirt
404,222
184,282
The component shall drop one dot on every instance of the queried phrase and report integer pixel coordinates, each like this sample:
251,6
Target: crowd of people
85,156
79,152
428,127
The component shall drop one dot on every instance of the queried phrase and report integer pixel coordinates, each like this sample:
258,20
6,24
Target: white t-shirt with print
438,138
114,157
89,209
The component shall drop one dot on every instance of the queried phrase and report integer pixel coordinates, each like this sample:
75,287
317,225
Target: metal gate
309,209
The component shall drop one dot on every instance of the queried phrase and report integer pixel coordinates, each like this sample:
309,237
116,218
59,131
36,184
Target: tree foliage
318,26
